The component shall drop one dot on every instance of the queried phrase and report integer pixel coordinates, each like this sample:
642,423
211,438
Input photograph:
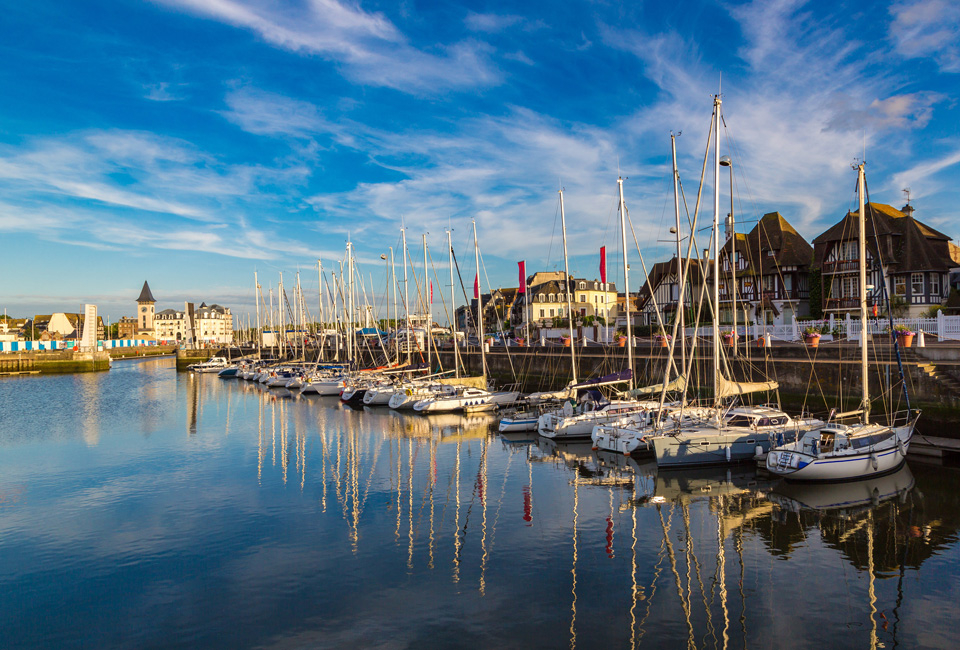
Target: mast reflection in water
148,508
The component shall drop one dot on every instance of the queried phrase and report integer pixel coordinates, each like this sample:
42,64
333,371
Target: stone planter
812,340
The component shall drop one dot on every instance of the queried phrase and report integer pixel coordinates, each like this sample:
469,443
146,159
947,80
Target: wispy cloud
163,91
114,188
491,23
928,29
371,49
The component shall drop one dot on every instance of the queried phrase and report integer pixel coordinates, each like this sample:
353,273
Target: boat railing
900,418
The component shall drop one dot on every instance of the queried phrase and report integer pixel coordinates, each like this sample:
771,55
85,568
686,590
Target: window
541,298
541,313
583,285
551,313
935,285
850,287
900,285
551,299
788,283
583,298
916,284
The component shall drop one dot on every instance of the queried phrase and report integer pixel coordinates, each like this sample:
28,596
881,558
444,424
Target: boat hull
694,448
799,466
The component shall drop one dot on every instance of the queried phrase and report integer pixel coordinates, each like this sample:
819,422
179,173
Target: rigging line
513,370
886,299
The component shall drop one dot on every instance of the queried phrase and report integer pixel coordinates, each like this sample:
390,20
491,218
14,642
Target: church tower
145,308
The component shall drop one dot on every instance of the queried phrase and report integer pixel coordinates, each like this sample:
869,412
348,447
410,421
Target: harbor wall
814,379
54,361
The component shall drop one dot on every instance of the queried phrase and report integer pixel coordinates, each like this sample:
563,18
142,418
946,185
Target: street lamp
726,161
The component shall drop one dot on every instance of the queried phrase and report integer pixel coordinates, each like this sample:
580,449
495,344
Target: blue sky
191,142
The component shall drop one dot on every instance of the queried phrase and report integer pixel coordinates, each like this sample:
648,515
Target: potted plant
811,336
664,340
730,337
566,341
904,335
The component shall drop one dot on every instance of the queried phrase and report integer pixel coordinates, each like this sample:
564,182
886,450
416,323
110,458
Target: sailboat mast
257,298
566,273
351,331
320,328
393,283
476,254
453,311
862,243
716,250
428,310
270,319
301,320
283,322
626,280
406,293
676,211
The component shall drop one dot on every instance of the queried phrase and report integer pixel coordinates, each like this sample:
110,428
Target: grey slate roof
145,295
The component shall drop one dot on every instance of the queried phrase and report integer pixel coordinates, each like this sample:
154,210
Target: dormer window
583,285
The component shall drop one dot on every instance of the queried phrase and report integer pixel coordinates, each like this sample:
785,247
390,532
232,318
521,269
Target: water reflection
295,521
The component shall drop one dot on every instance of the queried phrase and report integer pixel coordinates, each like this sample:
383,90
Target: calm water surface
144,508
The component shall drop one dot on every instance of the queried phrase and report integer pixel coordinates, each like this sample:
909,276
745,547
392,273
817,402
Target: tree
816,294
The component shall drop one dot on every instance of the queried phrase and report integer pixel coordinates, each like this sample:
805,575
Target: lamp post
726,161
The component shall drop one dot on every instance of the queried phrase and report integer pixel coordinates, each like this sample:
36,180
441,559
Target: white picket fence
943,327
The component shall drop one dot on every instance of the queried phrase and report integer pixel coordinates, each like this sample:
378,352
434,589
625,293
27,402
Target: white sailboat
838,452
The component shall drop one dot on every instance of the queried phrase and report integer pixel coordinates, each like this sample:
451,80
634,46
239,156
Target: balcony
841,303
841,266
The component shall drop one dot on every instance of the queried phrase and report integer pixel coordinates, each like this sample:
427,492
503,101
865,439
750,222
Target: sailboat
727,434
839,452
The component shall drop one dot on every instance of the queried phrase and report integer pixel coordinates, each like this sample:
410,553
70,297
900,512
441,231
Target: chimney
907,210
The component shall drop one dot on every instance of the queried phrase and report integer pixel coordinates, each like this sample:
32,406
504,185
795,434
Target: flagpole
526,298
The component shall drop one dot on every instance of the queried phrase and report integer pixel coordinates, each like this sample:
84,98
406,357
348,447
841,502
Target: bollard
767,340
920,342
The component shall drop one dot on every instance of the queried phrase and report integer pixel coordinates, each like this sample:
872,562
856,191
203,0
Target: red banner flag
603,264
523,276
431,292
476,286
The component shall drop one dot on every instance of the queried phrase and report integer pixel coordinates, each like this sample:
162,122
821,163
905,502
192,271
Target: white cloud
371,49
928,29
490,23
264,113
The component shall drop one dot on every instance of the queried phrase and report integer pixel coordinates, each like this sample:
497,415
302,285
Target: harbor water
146,508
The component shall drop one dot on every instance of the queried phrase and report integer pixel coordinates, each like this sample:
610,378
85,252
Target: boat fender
758,451
729,453
903,452
873,461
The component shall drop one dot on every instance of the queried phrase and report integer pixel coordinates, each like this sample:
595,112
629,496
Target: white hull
556,425
621,440
518,423
380,397
323,387
789,462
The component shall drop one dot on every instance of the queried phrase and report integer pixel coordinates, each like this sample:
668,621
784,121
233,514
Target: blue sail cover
623,375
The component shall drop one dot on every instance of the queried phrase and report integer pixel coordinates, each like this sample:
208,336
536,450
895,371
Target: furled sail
727,388
680,383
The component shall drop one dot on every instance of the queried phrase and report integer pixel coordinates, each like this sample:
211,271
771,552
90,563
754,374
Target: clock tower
145,307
